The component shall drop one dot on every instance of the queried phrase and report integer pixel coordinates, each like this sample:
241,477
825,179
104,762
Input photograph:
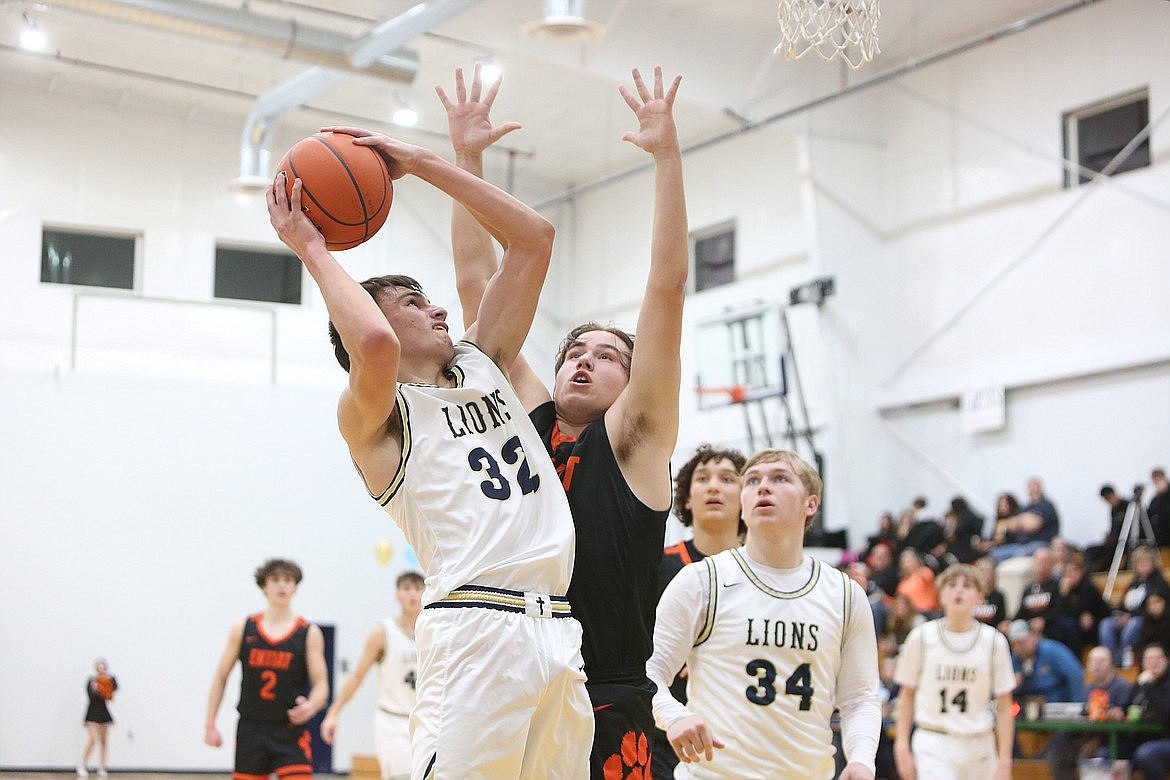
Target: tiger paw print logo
633,762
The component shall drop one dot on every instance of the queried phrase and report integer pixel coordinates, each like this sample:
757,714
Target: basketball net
846,29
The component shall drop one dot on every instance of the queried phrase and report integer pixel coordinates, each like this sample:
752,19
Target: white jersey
767,666
476,495
956,676
396,670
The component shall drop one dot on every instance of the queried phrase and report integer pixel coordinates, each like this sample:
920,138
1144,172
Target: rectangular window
1095,134
714,252
257,275
93,259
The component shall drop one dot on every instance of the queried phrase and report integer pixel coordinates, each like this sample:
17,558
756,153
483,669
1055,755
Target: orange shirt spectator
917,582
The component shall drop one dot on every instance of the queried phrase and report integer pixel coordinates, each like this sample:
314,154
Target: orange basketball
345,188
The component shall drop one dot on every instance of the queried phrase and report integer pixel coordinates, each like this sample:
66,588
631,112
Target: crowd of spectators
1062,618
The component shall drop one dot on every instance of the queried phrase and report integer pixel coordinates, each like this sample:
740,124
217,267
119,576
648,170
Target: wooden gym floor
115,775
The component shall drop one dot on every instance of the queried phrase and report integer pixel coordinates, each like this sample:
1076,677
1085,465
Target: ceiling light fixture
563,22
405,116
32,38
489,71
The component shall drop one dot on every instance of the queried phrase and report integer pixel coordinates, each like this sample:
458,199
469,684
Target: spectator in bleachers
1151,694
1048,670
887,533
1044,667
1006,506
1100,680
883,569
1060,551
1155,621
1079,608
992,611
1121,631
858,571
1159,508
917,582
903,617
1034,526
919,533
1038,602
1099,556
964,531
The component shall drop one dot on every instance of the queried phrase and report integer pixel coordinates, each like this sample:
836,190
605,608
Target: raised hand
287,218
655,111
401,158
468,122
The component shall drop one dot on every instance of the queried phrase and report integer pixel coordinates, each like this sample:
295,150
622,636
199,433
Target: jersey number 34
763,693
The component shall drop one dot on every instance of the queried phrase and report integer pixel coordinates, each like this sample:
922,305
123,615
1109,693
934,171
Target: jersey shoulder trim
712,596
847,603
399,477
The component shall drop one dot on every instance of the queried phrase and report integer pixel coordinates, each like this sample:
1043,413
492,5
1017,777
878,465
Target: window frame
697,237
266,250
89,232
1073,141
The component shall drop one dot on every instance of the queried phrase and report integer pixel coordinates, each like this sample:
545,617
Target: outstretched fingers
640,85
356,132
673,90
627,96
490,97
644,95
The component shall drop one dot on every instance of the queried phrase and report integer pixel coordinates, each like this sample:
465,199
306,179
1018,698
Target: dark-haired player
443,445
280,653
612,427
706,500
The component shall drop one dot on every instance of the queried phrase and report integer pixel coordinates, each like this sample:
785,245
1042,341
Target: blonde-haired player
950,671
773,640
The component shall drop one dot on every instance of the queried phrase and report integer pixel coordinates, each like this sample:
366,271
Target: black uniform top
97,711
674,558
614,589
274,671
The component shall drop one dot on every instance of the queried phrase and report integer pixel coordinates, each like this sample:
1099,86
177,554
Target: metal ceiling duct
234,27
256,142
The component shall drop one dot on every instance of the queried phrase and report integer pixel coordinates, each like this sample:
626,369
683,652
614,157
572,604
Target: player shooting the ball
443,444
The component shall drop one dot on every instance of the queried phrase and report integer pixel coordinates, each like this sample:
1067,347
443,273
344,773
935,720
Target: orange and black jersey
674,558
614,589
274,671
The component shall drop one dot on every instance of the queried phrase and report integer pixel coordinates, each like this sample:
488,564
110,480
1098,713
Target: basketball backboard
740,356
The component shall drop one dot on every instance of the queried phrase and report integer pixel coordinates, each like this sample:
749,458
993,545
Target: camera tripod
1135,523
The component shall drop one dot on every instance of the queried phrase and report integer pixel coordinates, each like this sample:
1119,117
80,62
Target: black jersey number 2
496,485
799,683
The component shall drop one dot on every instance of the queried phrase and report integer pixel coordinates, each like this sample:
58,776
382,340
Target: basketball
345,188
